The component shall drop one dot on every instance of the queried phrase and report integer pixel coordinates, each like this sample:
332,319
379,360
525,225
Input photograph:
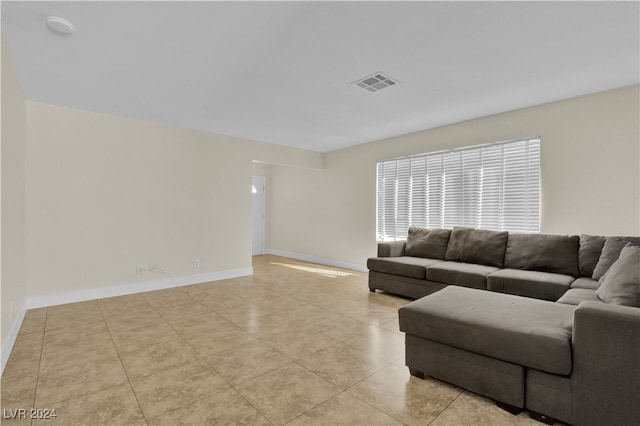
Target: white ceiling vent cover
375,82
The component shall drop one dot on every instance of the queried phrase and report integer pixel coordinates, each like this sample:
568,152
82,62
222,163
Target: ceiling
282,72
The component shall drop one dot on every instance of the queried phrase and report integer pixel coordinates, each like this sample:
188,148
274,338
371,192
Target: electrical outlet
141,269
196,263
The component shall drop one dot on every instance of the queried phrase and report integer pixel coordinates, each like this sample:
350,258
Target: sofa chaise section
576,360
577,364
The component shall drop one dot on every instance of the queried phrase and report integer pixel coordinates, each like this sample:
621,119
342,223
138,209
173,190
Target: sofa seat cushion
585,282
528,332
405,266
462,274
536,284
575,296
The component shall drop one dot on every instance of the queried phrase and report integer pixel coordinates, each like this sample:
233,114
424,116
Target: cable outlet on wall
141,269
196,263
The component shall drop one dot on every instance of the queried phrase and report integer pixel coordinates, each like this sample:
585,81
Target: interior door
258,206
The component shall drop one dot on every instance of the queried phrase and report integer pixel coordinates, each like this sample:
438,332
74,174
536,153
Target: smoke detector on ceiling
59,25
375,82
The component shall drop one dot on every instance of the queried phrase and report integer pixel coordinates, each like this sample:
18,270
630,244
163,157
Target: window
494,186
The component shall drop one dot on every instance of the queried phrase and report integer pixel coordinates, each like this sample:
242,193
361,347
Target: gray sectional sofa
547,323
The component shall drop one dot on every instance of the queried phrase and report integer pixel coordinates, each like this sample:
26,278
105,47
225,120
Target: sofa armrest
605,380
391,249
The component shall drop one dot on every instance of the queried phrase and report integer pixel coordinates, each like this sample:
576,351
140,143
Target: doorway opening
258,214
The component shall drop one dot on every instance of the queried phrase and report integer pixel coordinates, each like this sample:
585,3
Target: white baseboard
314,259
131,288
11,339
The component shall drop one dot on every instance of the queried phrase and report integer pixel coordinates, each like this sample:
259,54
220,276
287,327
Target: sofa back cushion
589,253
621,283
543,252
427,243
477,246
610,253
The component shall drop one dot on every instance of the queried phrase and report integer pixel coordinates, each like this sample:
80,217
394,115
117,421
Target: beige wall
590,176
105,194
12,253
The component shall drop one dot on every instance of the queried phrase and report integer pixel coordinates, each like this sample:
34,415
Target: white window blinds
493,186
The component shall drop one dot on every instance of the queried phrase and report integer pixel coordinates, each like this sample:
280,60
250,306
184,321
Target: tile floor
296,344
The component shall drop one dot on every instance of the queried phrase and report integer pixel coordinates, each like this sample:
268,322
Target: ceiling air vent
375,82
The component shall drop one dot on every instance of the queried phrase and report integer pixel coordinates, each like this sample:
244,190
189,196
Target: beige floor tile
211,333
217,302
275,300
34,321
23,362
387,300
74,308
247,315
338,327
306,314
223,408
392,326
216,294
17,392
77,333
346,410
246,362
77,380
471,409
168,297
176,312
222,340
379,342
266,325
116,405
400,362
20,369
121,304
343,365
195,290
299,343
198,325
338,305
61,355
286,393
142,315
255,293
329,322
404,397
27,346
156,358
76,319
287,320
133,339
176,387
374,314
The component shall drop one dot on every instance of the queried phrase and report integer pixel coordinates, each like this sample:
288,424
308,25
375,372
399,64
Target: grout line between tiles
122,363
448,405
35,391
